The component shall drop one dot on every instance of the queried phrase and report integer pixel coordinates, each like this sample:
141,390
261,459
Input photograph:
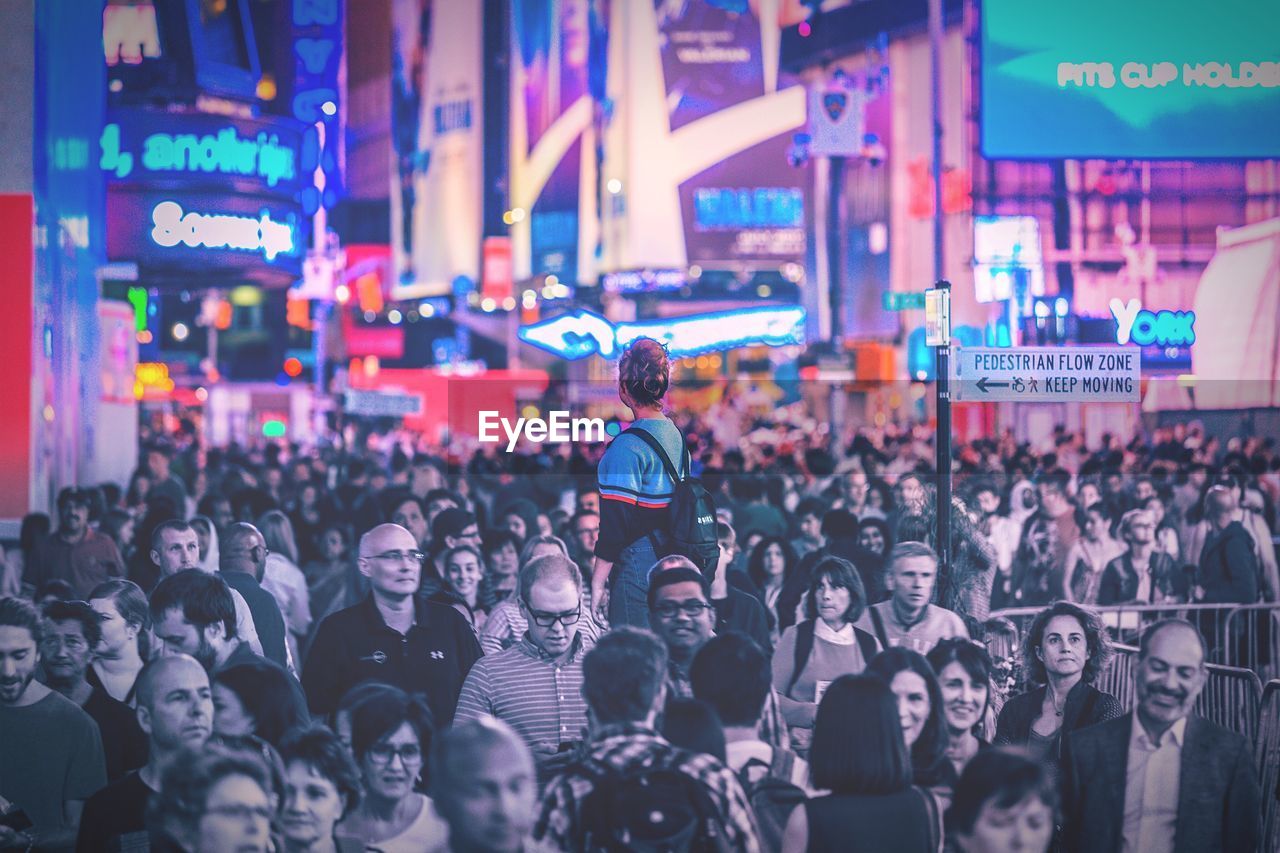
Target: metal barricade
1251,639
1267,751
1117,678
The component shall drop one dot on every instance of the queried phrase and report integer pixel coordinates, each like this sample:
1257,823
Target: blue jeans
629,593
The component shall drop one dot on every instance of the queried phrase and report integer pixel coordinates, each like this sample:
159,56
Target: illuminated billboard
1179,79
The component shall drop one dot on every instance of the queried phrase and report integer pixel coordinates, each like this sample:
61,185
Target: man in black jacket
243,560
1161,778
1228,571
393,636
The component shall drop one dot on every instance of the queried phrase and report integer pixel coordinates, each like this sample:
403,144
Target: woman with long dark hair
1064,651
771,562
964,677
635,489
920,713
255,698
859,755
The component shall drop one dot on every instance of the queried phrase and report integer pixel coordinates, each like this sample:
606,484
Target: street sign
897,300
381,404
1047,374
937,316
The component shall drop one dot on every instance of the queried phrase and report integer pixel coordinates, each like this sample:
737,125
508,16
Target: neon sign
226,152
726,209
1144,328
220,231
582,333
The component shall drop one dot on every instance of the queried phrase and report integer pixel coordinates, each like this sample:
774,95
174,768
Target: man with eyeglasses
536,685
683,617
586,532
242,563
394,636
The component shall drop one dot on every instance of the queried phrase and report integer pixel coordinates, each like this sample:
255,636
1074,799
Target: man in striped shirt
536,685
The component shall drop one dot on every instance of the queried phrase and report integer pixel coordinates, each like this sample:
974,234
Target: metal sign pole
943,296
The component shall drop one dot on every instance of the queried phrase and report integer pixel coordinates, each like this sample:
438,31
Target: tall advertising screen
1149,79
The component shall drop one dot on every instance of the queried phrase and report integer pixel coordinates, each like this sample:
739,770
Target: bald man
175,710
242,560
1161,778
393,636
483,785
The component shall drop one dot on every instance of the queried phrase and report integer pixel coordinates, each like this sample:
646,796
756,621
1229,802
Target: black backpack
773,796
650,810
691,531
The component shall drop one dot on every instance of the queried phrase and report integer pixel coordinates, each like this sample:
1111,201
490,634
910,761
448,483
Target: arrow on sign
984,383
579,334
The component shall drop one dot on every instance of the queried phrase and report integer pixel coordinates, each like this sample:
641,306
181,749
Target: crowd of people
272,649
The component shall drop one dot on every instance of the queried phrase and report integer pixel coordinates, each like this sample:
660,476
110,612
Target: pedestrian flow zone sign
1047,374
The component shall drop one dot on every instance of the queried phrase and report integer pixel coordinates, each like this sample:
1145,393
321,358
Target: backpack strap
878,622
935,818
866,644
804,648
782,764
649,439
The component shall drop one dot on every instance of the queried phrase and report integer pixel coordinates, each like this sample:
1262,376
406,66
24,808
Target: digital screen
1007,259
1150,79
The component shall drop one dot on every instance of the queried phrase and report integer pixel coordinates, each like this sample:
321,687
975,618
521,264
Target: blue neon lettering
226,153
725,209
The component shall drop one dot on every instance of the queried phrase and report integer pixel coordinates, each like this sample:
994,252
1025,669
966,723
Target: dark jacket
1228,569
869,564
266,614
356,645
1119,584
742,612
1218,800
1085,706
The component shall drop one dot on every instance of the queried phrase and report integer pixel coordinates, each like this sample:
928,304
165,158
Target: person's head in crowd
1065,640
1220,505
378,479
74,505
854,487
808,515
520,518
334,542
874,535
924,725
624,678
680,610
426,475
207,542
750,540
352,698
1051,488
1088,493
1112,483
484,786
216,799
21,636
987,498
194,614
692,724
1171,673
243,550
1158,506
858,747
135,497
72,631
175,547
308,499
1143,488
300,473
913,527
550,597
406,509
1138,529
771,562
390,738
55,589
909,493
277,535
542,546
501,551
727,542
159,459
964,678
911,574
463,571
1000,637
175,704
840,525
321,785
586,532
119,525
454,527
731,673
34,529
588,500
390,559
438,500
124,617
880,498
255,698
644,374
1094,523
217,507
836,593
1004,803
